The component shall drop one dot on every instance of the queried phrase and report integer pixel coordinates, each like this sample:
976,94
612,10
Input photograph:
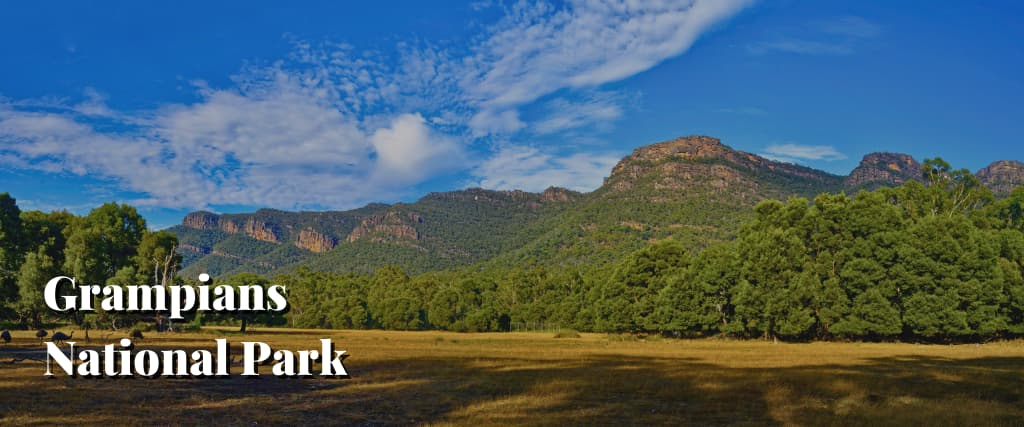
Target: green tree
104,242
12,248
38,268
627,299
872,316
446,309
774,294
156,259
403,313
347,312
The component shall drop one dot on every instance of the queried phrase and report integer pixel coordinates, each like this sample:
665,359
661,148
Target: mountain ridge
692,188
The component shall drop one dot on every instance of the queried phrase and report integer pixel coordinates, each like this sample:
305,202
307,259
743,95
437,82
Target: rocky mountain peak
692,162
686,147
884,169
1002,176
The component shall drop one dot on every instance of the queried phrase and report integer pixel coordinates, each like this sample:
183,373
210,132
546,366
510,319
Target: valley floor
441,378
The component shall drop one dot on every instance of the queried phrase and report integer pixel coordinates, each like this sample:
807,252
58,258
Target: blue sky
181,106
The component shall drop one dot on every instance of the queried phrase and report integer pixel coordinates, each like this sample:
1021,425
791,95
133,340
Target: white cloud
538,49
530,169
332,126
95,105
489,122
410,151
562,114
794,152
275,143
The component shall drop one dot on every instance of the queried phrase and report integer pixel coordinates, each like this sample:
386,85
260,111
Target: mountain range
693,189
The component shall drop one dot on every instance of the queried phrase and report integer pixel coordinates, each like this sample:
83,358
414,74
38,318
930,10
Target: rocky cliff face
314,241
884,169
261,230
257,229
1002,176
390,226
230,227
201,220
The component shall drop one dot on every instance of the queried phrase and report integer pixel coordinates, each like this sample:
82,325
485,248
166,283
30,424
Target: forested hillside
440,230
693,189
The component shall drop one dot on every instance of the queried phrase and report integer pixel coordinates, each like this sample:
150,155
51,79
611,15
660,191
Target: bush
567,334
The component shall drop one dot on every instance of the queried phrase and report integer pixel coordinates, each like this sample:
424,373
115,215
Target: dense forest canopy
938,260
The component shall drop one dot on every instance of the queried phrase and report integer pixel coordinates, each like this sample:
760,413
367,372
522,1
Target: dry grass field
439,378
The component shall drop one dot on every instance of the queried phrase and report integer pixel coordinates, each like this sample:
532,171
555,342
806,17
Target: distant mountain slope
440,230
694,189
444,230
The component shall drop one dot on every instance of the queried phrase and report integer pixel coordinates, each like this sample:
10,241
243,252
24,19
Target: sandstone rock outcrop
230,227
260,230
201,220
314,241
884,169
1002,176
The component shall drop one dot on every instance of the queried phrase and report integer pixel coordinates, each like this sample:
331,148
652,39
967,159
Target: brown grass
533,378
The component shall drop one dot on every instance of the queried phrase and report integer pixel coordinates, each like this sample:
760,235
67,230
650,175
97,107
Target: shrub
567,334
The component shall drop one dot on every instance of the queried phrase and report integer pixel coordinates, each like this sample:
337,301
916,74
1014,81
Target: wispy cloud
538,49
849,26
529,168
836,36
794,153
806,47
332,126
595,109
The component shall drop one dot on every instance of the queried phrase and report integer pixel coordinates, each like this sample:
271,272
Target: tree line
937,260
110,245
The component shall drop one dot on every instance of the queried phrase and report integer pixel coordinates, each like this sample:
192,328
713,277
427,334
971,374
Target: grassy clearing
443,378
